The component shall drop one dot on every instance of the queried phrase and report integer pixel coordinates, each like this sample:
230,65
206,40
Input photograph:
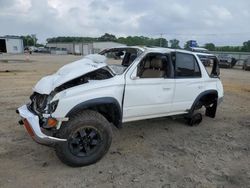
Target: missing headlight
53,106
38,102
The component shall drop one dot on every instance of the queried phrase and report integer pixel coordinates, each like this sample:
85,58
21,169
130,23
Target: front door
149,89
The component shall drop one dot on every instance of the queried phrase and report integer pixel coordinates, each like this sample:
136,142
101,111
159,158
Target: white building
82,48
11,44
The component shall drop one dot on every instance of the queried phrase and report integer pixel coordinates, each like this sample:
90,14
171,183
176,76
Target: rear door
188,81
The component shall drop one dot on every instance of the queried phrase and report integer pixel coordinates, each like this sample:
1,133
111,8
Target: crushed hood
70,71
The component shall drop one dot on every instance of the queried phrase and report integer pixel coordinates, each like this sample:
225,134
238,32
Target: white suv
74,109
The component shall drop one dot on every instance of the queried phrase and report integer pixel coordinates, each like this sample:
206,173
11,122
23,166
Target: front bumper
31,123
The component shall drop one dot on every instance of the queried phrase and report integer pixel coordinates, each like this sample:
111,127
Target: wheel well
209,100
110,112
108,107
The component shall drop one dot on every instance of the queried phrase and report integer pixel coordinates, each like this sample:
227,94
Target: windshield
119,59
117,69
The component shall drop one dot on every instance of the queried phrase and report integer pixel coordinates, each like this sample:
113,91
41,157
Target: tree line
138,40
244,48
130,40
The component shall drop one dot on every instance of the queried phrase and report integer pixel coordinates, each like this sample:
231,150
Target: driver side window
154,65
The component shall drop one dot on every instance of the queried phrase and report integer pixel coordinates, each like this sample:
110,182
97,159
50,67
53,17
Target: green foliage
187,45
141,41
209,46
130,40
71,39
229,49
28,40
39,45
107,37
174,43
246,46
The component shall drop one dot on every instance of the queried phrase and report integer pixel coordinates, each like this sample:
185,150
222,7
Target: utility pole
161,40
34,39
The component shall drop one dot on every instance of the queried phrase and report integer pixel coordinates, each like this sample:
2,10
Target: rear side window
186,66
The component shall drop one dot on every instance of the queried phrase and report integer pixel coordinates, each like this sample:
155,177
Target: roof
166,50
10,37
155,49
204,54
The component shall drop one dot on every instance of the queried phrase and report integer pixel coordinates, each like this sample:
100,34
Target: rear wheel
195,119
89,137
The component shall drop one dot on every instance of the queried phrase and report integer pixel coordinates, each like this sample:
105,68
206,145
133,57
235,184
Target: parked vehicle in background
226,61
74,108
42,50
246,64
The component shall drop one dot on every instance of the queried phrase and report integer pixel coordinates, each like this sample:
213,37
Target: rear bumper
31,124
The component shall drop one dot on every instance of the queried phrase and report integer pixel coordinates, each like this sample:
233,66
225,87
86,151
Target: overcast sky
223,22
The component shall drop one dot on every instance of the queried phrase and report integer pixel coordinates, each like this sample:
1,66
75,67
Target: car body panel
69,98
70,71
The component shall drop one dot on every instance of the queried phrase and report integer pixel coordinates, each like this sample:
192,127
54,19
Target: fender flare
97,102
202,94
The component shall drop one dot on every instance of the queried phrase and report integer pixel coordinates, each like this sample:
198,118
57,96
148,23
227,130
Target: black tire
195,119
88,122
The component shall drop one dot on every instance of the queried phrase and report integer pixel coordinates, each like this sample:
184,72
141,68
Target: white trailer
11,44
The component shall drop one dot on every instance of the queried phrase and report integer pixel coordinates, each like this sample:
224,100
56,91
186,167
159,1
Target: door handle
166,88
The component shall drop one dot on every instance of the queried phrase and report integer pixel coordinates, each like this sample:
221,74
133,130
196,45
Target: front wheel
89,137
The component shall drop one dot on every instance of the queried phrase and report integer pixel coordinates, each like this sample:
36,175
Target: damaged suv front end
38,116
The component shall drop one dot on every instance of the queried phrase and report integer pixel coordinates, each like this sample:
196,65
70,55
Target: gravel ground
161,152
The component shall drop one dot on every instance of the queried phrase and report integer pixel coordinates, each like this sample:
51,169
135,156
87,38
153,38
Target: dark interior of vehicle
129,58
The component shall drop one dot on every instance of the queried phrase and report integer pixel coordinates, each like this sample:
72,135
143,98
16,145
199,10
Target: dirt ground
153,153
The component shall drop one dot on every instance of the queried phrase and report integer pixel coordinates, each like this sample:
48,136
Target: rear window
186,66
212,66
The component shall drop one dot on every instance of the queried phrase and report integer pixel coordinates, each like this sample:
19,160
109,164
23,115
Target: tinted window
186,66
